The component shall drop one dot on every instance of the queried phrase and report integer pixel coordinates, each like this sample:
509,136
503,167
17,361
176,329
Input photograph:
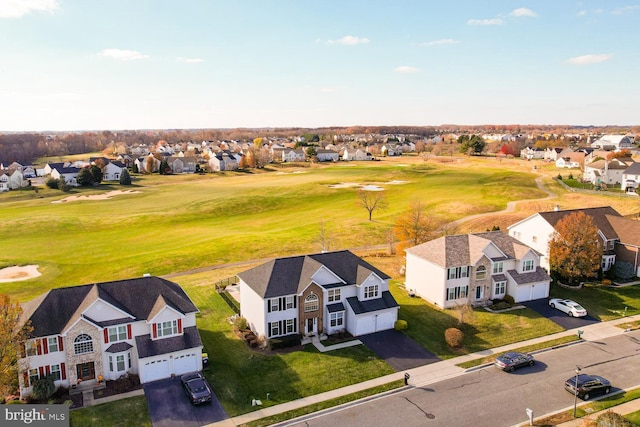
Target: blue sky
136,64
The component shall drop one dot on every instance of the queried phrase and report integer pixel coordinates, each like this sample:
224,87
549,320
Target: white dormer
165,321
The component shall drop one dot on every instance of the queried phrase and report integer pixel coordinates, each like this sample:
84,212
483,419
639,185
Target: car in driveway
512,360
568,306
196,388
587,385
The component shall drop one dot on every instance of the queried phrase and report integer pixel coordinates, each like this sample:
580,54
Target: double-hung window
334,295
501,288
337,319
117,333
52,343
371,291
458,272
311,303
498,267
527,265
481,272
167,328
55,372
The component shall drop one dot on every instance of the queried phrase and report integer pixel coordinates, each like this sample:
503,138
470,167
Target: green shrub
509,299
52,183
559,177
400,325
284,342
15,402
501,305
44,388
623,270
454,337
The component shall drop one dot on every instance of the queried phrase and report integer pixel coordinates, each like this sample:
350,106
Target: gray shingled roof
628,230
147,347
466,249
118,347
540,275
288,276
367,306
599,216
53,311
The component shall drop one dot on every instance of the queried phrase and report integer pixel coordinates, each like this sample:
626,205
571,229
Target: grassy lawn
603,302
482,329
192,221
239,374
121,413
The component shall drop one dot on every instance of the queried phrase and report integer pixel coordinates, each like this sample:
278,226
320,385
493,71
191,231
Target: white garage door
385,321
155,370
366,325
540,291
185,363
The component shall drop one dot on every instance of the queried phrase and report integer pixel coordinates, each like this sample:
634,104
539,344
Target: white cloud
405,69
582,13
189,60
523,11
122,54
350,41
20,8
590,59
492,21
440,42
624,10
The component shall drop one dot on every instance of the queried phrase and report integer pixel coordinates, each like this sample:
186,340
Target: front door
86,371
479,292
312,325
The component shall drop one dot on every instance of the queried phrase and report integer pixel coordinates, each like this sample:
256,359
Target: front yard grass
603,302
482,329
128,412
239,374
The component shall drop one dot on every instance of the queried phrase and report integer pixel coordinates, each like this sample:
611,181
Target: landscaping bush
454,337
284,342
43,388
612,419
400,325
52,183
500,305
623,270
509,299
15,402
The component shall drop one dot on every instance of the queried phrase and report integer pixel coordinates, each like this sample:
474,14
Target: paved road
488,397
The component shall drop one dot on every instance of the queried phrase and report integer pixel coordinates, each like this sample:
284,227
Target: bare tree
13,333
415,226
324,236
371,201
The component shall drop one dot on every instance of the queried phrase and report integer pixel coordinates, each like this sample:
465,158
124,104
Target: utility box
205,360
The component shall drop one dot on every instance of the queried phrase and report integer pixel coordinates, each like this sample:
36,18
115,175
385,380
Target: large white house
537,231
89,333
475,268
315,294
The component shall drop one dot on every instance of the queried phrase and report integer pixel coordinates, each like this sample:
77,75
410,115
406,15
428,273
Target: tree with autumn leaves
415,226
12,335
574,249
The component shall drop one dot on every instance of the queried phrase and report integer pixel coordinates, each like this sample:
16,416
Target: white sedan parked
572,308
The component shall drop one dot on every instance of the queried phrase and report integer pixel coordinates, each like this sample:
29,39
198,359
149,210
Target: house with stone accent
83,335
317,294
474,269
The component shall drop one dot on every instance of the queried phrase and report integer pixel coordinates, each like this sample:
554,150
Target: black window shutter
280,303
269,328
268,306
281,327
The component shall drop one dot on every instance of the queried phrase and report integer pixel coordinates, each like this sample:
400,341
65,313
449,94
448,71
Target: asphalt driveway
542,306
398,350
170,407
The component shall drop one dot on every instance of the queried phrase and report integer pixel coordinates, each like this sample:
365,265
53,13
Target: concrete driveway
169,406
542,306
398,350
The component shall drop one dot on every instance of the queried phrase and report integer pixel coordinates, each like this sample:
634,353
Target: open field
177,223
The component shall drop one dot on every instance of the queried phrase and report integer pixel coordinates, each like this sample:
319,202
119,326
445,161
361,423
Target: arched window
83,344
481,272
311,303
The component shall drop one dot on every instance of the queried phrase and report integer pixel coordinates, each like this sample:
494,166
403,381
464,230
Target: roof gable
59,308
287,276
598,214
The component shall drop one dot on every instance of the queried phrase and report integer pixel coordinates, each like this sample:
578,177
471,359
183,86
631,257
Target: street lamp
575,389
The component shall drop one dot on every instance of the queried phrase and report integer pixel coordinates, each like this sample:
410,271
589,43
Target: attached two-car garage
370,323
532,292
152,369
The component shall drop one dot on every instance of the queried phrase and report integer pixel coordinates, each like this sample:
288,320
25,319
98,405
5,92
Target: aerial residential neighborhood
305,214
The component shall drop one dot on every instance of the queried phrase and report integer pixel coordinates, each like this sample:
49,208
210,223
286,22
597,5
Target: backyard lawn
603,302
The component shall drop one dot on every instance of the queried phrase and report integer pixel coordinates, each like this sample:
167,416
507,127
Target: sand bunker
103,196
368,187
15,273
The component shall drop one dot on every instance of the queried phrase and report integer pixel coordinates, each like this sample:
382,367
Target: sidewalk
439,371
